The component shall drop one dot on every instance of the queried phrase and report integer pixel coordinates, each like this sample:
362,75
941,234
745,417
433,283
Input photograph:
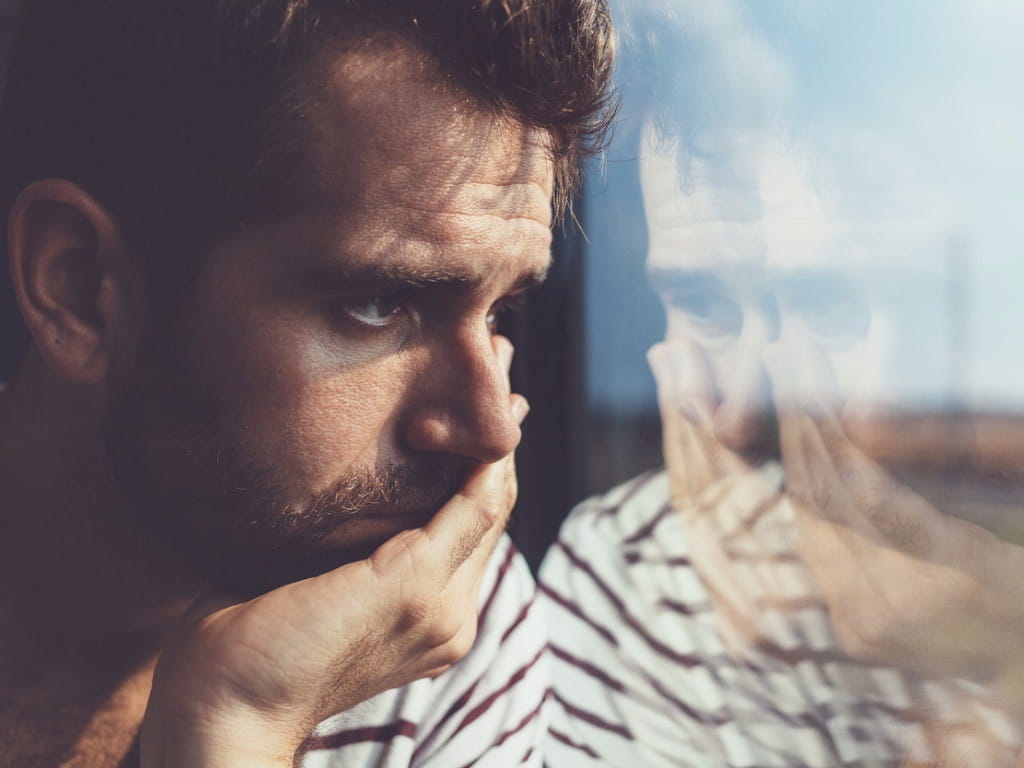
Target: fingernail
519,409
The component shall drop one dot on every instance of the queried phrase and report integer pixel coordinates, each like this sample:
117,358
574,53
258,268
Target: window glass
803,268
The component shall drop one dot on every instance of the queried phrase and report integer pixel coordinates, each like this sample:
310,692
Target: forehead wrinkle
467,234
390,124
415,171
506,201
494,177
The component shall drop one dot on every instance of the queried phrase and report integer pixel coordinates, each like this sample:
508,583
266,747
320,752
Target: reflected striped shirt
642,678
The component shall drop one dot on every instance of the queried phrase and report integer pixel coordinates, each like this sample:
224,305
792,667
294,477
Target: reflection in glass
831,569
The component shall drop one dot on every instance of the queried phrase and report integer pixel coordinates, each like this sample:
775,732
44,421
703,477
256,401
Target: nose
461,402
745,421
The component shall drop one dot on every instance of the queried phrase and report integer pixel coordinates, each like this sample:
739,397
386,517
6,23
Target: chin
248,575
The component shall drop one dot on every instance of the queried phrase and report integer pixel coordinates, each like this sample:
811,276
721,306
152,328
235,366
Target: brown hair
185,118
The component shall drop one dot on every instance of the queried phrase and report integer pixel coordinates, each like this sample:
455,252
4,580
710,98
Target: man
781,595
261,439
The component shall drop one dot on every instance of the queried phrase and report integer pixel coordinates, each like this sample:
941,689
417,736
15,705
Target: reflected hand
739,529
906,585
244,684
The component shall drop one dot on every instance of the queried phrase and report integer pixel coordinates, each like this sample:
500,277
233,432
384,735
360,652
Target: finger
879,506
492,490
813,480
697,400
750,498
875,504
685,458
470,574
735,504
821,398
818,388
734,602
482,506
818,539
785,391
691,384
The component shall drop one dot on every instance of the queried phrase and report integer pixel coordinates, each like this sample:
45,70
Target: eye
711,313
502,309
835,314
376,311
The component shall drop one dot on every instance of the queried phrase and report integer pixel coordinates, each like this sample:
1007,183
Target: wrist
204,738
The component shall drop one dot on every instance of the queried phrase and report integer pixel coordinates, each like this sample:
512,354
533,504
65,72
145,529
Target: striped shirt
488,709
642,678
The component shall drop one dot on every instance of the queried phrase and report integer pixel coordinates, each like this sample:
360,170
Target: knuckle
490,512
443,632
419,611
460,643
460,646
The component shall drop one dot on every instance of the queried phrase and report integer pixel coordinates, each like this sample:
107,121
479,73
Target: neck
86,599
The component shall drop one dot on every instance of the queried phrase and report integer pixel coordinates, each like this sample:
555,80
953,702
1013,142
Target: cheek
309,412
316,429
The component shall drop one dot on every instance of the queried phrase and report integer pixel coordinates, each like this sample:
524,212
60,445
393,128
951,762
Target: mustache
392,489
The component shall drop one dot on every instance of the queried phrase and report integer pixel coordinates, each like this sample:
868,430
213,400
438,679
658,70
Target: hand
244,684
740,534
906,585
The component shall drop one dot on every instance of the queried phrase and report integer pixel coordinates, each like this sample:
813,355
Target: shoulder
628,512
605,585
601,536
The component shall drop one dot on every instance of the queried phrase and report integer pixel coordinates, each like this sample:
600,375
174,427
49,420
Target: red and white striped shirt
642,678
488,709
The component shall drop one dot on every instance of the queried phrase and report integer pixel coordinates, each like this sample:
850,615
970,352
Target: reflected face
331,376
748,254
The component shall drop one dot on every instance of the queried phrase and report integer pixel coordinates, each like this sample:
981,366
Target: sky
902,111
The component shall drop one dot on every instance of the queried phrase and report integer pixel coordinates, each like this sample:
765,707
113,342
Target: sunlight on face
336,374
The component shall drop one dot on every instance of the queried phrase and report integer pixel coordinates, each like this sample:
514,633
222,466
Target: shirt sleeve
491,708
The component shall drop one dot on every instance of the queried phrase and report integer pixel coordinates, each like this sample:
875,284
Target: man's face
331,376
752,255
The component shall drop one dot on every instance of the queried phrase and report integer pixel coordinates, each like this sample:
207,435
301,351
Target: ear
67,263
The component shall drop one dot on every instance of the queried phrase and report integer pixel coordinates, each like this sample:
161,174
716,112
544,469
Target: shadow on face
330,376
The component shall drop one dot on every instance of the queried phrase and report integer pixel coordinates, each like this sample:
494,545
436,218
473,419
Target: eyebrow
389,279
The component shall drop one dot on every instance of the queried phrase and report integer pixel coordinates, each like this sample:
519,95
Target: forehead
764,205
403,154
752,206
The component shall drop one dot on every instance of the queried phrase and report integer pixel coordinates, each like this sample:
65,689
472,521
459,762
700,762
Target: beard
196,487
